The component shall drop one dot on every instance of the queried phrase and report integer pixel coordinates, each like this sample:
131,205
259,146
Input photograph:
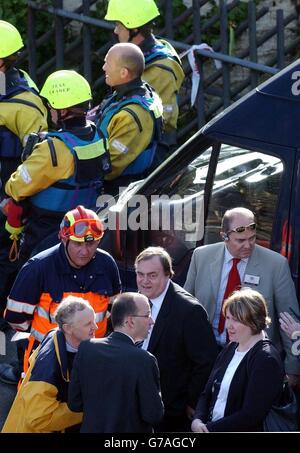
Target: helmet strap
68,255
133,32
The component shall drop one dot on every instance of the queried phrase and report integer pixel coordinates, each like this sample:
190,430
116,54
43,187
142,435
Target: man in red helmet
75,267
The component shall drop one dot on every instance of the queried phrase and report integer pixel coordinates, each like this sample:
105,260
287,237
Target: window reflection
244,178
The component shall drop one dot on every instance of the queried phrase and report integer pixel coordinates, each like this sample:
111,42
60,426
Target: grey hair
67,308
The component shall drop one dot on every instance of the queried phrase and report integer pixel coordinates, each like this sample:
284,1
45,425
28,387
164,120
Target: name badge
252,279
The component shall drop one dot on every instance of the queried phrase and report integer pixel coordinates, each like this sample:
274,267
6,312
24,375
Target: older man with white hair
41,403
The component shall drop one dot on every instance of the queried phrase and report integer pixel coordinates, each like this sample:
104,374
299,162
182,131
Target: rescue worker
65,169
131,118
163,69
21,112
75,267
41,402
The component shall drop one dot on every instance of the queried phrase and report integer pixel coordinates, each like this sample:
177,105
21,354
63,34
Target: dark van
247,156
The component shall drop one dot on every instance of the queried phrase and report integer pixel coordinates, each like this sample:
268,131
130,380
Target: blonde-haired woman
248,375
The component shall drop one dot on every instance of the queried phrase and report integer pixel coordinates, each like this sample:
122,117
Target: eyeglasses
82,228
241,229
141,316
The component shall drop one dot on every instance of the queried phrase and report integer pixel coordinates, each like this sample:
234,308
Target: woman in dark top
248,375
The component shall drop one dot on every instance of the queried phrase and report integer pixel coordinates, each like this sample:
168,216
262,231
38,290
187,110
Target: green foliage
15,12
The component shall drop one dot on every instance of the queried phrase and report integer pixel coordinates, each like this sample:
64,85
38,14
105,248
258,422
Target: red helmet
81,225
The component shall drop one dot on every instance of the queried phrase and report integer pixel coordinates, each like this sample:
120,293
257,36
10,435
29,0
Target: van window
244,178
180,215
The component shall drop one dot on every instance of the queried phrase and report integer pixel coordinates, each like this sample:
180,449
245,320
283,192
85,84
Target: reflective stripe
100,316
23,326
37,335
90,151
44,313
20,307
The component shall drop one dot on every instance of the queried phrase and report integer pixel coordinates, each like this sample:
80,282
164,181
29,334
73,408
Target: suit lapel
216,270
253,265
160,322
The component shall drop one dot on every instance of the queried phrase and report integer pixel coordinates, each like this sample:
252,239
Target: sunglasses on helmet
82,228
241,229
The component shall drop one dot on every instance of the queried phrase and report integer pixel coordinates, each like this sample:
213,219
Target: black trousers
170,424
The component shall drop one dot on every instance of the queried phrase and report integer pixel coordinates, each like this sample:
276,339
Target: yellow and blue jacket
21,112
164,72
131,119
41,402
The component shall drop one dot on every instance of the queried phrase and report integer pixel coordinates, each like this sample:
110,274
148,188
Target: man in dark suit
181,338
114,383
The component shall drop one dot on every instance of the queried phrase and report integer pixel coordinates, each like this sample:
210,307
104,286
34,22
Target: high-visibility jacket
62,171
163,71
40,405
131,119
91,162
47,278
21,112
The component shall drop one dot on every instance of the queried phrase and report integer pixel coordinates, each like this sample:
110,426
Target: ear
67,328
124,73
224,236
64,113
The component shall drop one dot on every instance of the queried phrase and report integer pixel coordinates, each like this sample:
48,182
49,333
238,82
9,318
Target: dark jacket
255,386
184,345
116,385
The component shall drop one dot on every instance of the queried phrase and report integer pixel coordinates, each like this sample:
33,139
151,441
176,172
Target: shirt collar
66,267
228,257
158,300
127,336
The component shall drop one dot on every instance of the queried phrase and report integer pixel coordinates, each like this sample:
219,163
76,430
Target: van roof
268,117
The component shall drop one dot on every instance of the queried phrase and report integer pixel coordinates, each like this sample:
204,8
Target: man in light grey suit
259,268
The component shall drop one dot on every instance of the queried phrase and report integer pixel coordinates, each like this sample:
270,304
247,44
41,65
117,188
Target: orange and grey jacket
47,278
41,402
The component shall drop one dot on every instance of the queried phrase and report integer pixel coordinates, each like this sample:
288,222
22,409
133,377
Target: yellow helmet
10,39
65,88
132,13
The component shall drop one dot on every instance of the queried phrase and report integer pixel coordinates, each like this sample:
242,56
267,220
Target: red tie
233,283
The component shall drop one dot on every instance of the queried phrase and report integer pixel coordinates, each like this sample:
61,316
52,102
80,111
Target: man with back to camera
181,338
113,382
249,265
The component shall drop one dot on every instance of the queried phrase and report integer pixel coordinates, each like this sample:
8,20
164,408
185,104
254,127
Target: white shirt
156,305
220,404
227,265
